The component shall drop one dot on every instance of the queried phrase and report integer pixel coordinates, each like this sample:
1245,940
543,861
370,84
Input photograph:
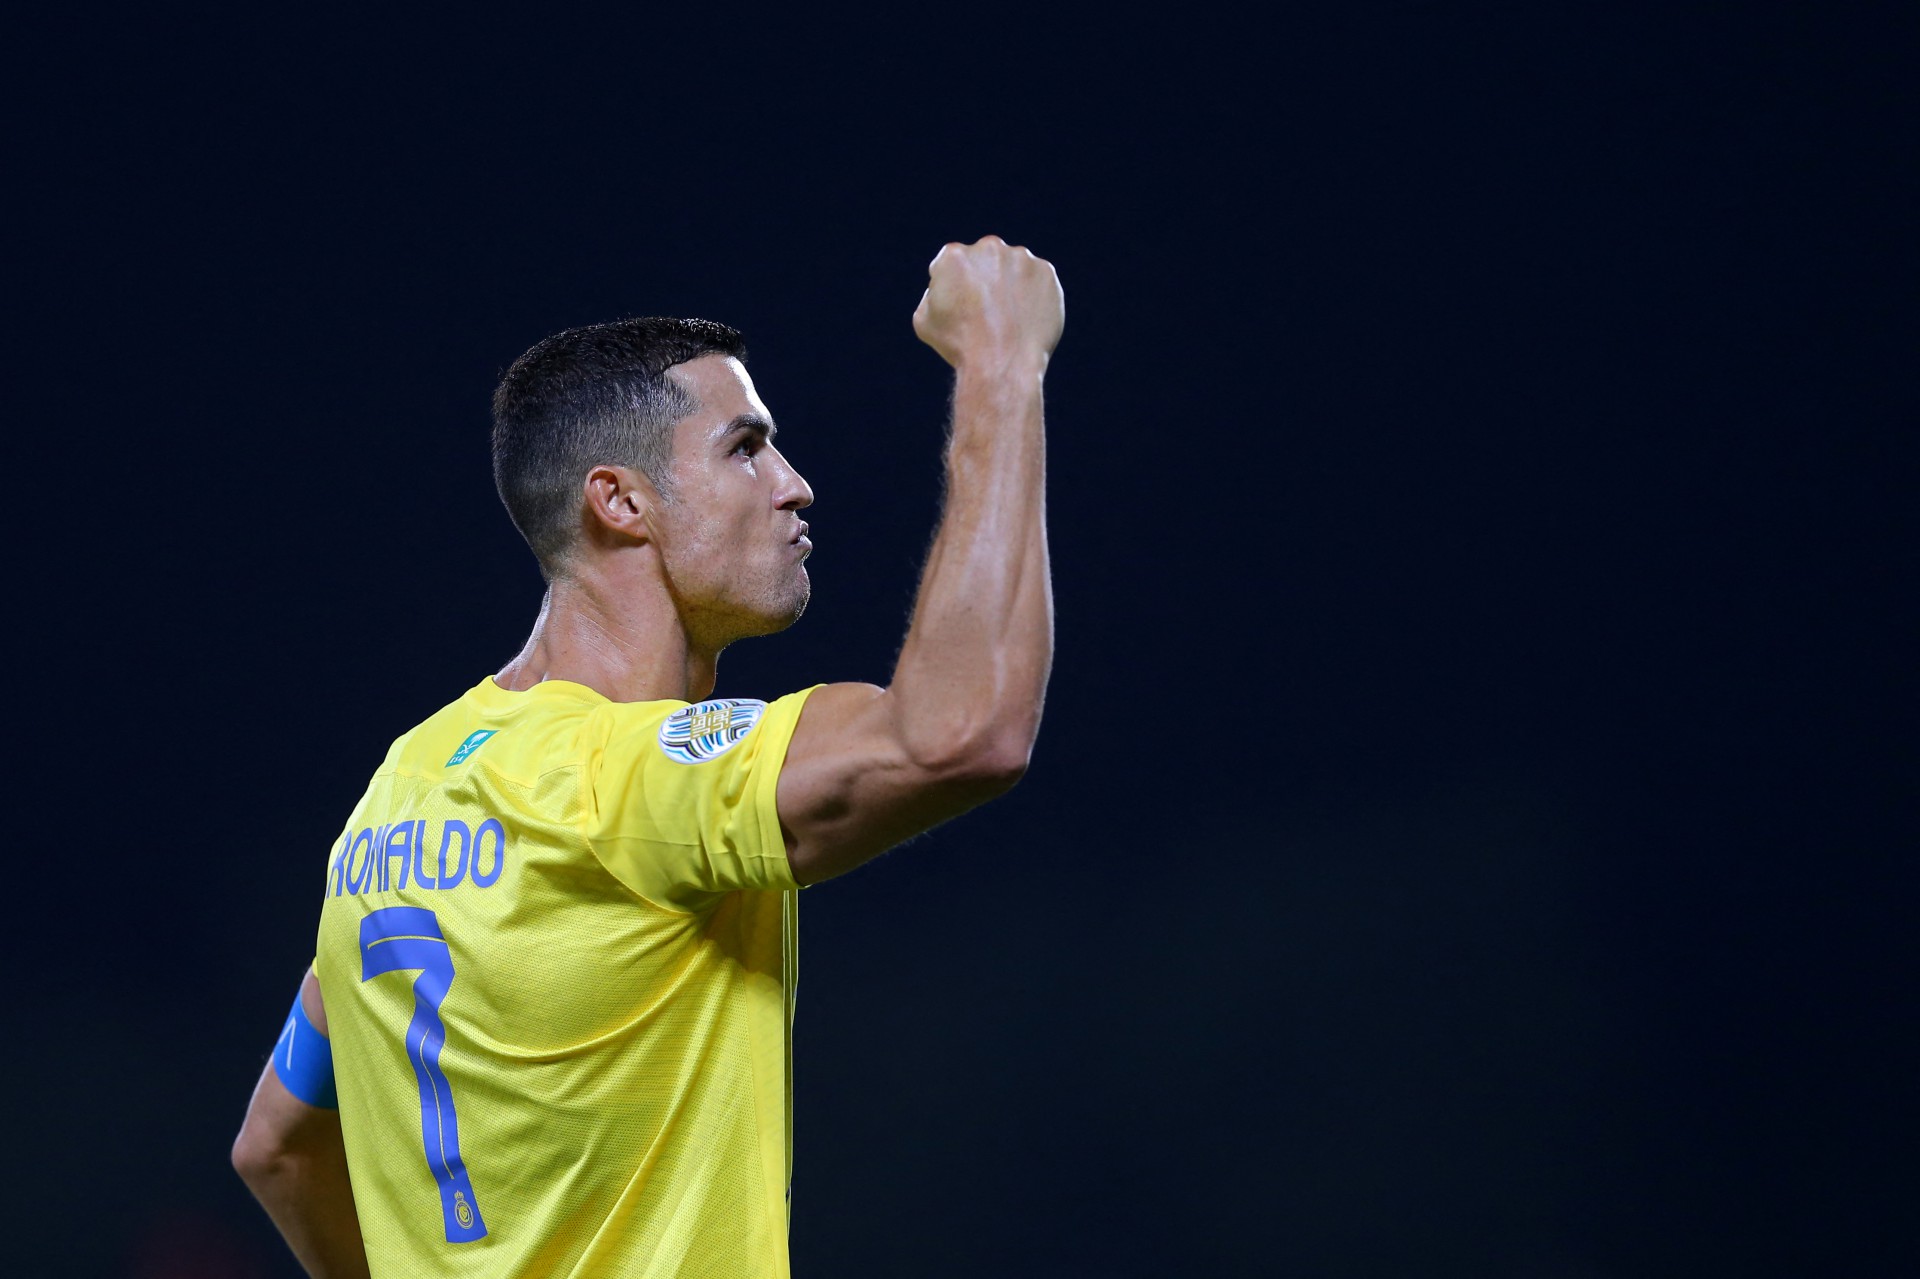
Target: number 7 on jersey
406,939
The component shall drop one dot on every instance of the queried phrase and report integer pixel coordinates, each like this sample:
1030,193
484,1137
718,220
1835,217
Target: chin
779,613
796,606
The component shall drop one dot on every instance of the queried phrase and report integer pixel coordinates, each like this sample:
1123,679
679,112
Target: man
555,961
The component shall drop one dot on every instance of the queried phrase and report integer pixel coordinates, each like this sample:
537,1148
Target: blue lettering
499,852
364,862
399,844
422,877
336,869
357,879
459,872
375,879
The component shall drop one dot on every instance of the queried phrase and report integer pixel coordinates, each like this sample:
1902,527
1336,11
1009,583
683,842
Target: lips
801,540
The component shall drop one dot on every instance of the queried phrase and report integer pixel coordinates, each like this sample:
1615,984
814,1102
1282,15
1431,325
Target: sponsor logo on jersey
709,728
473,743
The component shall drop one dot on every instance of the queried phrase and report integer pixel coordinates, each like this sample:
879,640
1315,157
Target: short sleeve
681,800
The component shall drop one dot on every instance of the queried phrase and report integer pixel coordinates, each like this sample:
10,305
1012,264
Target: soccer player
546,1031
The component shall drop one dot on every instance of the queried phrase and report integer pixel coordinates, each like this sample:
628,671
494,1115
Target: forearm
294,1160
868,768
310,1200
973,671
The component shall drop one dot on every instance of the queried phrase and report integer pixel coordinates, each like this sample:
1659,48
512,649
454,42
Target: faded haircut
588,397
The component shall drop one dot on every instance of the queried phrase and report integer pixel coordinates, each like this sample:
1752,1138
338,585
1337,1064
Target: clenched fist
990,302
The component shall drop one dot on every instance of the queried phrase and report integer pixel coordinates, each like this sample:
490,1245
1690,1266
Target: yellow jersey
557,954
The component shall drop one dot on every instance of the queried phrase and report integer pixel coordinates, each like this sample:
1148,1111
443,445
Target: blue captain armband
304,1060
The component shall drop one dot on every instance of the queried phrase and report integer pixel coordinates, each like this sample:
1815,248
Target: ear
619,504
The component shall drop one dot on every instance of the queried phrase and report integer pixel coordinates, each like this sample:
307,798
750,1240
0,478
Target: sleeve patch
708,729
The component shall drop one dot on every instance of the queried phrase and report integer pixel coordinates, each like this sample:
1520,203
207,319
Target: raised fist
990,301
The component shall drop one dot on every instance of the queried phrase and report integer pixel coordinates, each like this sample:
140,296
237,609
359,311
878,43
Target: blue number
402,939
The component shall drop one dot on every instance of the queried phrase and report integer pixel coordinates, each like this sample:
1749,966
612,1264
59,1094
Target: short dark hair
587,397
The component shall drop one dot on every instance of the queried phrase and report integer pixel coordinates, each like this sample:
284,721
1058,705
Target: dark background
1472,832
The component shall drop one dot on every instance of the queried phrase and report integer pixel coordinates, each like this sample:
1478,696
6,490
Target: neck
622,639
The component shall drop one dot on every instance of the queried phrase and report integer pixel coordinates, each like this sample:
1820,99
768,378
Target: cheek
714,533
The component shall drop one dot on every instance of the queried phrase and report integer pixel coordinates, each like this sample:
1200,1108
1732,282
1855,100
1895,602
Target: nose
790,491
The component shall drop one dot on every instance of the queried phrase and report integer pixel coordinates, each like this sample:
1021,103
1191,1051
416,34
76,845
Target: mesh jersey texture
557,954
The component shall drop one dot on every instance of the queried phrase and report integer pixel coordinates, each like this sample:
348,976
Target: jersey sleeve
681,799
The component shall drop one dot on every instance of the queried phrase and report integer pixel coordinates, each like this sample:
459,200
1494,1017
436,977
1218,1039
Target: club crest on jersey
709,728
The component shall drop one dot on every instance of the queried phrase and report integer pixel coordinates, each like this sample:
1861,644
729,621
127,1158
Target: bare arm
870,767
291,1156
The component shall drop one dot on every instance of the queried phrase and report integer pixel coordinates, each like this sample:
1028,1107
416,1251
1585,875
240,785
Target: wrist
1009,365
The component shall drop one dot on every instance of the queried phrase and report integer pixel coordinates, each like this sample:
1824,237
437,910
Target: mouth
802,541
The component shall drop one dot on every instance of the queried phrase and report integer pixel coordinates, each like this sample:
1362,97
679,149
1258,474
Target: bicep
850,787
277,1120
310,1000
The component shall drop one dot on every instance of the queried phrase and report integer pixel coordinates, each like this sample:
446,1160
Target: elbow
256,1157
986,766
1003,761
984,755
249,1161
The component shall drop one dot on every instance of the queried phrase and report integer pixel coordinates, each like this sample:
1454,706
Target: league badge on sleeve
708,729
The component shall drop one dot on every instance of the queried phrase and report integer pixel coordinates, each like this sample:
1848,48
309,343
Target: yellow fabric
620,930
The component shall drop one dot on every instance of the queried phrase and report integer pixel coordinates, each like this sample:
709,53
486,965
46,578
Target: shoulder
694,733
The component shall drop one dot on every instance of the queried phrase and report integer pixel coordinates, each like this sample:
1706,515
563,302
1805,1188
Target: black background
1473,824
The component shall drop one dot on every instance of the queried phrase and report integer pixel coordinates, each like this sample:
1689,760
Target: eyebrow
751,422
